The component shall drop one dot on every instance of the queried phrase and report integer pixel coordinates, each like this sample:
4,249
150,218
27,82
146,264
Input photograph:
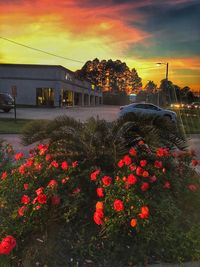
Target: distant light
132,95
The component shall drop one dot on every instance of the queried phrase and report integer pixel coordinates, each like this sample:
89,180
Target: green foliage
57,234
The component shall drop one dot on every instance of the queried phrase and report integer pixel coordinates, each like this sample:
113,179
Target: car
178,106
194,105
148,108
6,102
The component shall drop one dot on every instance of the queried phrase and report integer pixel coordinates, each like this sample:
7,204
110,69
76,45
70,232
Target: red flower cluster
93,175
162,152
144,214
118,205
99,214
7,244
19,156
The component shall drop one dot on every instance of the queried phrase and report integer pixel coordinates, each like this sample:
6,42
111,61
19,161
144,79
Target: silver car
148,108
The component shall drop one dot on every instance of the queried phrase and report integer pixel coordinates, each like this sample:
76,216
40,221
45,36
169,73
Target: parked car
148,108
194,105
6,102
178,105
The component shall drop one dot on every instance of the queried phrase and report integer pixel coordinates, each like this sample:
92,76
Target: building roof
35,66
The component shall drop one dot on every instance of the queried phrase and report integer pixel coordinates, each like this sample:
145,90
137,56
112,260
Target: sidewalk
15,141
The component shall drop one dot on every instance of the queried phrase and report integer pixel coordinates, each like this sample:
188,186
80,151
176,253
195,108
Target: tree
113,76
150,87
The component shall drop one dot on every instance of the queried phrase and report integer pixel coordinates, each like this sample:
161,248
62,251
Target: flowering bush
35,192
150,198
146,210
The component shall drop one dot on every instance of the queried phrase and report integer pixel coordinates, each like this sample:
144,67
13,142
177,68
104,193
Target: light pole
167,71
167,67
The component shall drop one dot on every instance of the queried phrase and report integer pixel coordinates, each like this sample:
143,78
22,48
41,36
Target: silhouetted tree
113,76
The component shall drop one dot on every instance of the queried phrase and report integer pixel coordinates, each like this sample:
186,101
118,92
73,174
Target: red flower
194,162
39,190
26,186
21,211
48,157
53,184
98,216
99,205
42,198
42,149
120,163
132,167
192,187
7,244
22,169
158,164
118,205
132,152
54,164
64,165
74,164
153,178
18,156
144,212
162,152
145,174
141,142
127,160
43,146
55,200
107,180
133,222
143,163
167,185
131,179
77,190
144,187
100,192
38,207
4,175
64,180
93,175
29,162
25,199
139,171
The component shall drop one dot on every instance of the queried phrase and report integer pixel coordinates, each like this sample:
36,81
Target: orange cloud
76,29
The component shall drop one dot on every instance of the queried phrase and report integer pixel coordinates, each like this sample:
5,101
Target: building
47,85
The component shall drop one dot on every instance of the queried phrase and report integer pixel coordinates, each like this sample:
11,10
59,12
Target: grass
190,120
12,126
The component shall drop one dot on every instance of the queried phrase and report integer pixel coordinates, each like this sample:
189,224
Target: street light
167,67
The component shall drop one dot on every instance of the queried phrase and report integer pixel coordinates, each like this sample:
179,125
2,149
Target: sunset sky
139,33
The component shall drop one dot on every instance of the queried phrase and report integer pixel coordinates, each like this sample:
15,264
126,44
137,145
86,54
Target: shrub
145,205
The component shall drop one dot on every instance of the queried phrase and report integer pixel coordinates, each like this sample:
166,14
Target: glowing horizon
84,30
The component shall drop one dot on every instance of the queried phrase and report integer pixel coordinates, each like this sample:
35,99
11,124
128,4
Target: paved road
108,113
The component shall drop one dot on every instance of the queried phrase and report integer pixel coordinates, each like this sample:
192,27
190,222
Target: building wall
29,77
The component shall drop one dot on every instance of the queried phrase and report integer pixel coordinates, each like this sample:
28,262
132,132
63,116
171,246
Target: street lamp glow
167,67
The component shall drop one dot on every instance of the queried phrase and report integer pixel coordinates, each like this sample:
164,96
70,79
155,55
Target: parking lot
108,113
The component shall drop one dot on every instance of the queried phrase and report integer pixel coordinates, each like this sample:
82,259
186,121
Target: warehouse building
47,85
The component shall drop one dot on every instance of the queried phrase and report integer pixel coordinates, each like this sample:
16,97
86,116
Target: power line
39,50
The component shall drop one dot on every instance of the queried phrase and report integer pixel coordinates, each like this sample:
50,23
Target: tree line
116,78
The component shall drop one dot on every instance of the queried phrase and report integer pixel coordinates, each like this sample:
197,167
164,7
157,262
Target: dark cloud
165,47
174,28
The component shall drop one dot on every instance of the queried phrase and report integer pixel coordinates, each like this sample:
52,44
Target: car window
139,106
152,107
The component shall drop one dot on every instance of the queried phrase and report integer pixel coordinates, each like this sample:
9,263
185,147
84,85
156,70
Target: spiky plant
100,143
